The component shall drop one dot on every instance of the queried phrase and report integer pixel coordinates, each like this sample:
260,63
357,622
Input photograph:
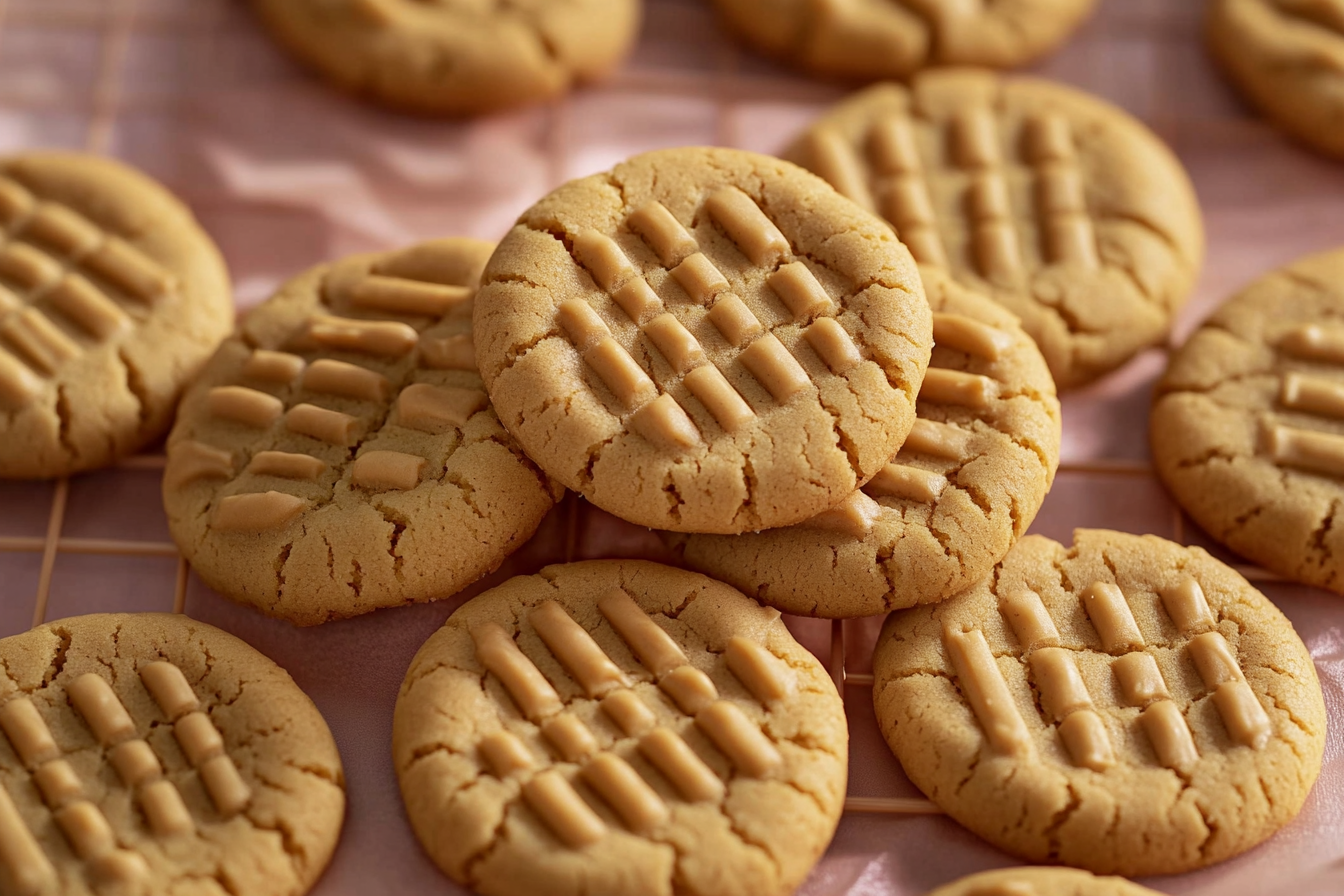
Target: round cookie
338,454
1287,57
870,40
149,753
1247,429
1126,705
455,57
964,486
620,727
704,340
1056,204
1041,882
111,298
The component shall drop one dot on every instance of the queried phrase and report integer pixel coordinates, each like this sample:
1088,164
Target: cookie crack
135,387
1242,520
1061,818
843,438
64,415
1287,709
4,664
1208,456
593,455
969,774
1320,534
1209,390
289,842
747,841
496,840
57,663
281,560
399,523
1210,826
1130,217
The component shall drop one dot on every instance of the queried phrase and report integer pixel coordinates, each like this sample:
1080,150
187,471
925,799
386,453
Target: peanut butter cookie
455,57
873,39
1248,426
150,754
339,454
1058,205
964,486
1126,705
620,727
1041,882
704,340
111,299
1287,57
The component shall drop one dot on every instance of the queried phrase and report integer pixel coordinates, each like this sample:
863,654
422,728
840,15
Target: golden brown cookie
1041,882
455,57
1126,705
1053,202
1248,427
620,727
964,486
339,454
872,39
150,754
111,298
1287,57
704,340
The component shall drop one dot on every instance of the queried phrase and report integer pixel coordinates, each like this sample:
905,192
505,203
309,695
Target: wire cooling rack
286,173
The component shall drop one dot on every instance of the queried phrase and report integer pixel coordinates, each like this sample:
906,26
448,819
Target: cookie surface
338,454
883,39
1126,705
1248,427
620,727
1287,57
1054,203
149,753
111,298
704,340
965,485
1041,882
455,56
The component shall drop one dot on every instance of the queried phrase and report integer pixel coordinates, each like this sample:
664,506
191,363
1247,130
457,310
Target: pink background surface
286,173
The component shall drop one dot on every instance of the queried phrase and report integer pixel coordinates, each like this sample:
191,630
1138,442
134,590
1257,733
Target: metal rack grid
732,79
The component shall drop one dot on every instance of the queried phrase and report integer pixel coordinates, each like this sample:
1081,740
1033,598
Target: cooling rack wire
116,20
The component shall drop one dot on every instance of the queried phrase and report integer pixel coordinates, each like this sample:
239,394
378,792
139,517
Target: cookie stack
701,341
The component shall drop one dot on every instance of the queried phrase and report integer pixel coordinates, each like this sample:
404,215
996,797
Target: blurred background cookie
338,453
111,299
1041,882
704,340
1053,202
1247,429
873,39
964,486
1287,57
455,57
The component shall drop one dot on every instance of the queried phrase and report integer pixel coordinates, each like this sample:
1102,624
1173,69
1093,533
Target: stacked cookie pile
828,380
